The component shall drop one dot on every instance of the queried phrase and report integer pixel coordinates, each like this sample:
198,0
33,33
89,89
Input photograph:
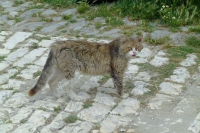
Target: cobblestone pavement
173,109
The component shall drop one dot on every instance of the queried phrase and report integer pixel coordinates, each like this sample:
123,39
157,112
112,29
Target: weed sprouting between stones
87,104
33,46
58,109
163,40
36,74
2,58
70,119
193,41
195,29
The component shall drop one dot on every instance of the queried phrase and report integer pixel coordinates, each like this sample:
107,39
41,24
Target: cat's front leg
118,83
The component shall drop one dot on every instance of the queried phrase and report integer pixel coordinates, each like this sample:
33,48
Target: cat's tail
45,75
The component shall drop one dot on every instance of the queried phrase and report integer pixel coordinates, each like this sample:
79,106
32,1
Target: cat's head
131,46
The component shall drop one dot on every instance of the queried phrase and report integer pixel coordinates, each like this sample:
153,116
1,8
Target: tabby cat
67,57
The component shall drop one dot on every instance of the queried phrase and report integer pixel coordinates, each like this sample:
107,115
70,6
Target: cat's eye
129,48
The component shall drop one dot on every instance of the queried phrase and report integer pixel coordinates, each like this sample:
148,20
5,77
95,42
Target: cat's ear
139,39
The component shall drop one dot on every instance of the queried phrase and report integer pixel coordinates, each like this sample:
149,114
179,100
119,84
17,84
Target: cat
67,57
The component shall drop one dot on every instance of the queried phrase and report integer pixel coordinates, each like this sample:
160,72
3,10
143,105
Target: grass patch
23,121
87,104
195,29
33,46
159,41
193,41
104,79
98,25
66,17
180,52
57,3
58,109
38,28
72,20
70,119
2,58
18,2
83,7
38,73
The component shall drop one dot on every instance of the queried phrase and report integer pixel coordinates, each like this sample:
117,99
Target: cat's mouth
134,55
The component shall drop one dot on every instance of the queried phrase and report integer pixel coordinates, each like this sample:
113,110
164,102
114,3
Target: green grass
57,3
66,17
195,29
170,13
70,119
2,58
87,104
58,109
34,46
83,7
98,25
36,74
104,79
193,41
18,2
159,41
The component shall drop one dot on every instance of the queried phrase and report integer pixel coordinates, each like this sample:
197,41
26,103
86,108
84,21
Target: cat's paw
125,95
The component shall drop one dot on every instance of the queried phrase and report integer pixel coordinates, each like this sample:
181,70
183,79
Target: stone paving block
46,43
5,33
94,114
28,73
4,52
189,61
3,65
109,83
105,99
5,128
2,38
14,84
74,106
158,100
107,90
77,127
30,57
22,114
4,78
26,128
57,124
41,61
195,126
53,27
4,94
140,88
17,54
17,100
170,88
15,39
49,105
143,76
180,75
127,106
6,4
159,61
30,42
112,122
39,117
